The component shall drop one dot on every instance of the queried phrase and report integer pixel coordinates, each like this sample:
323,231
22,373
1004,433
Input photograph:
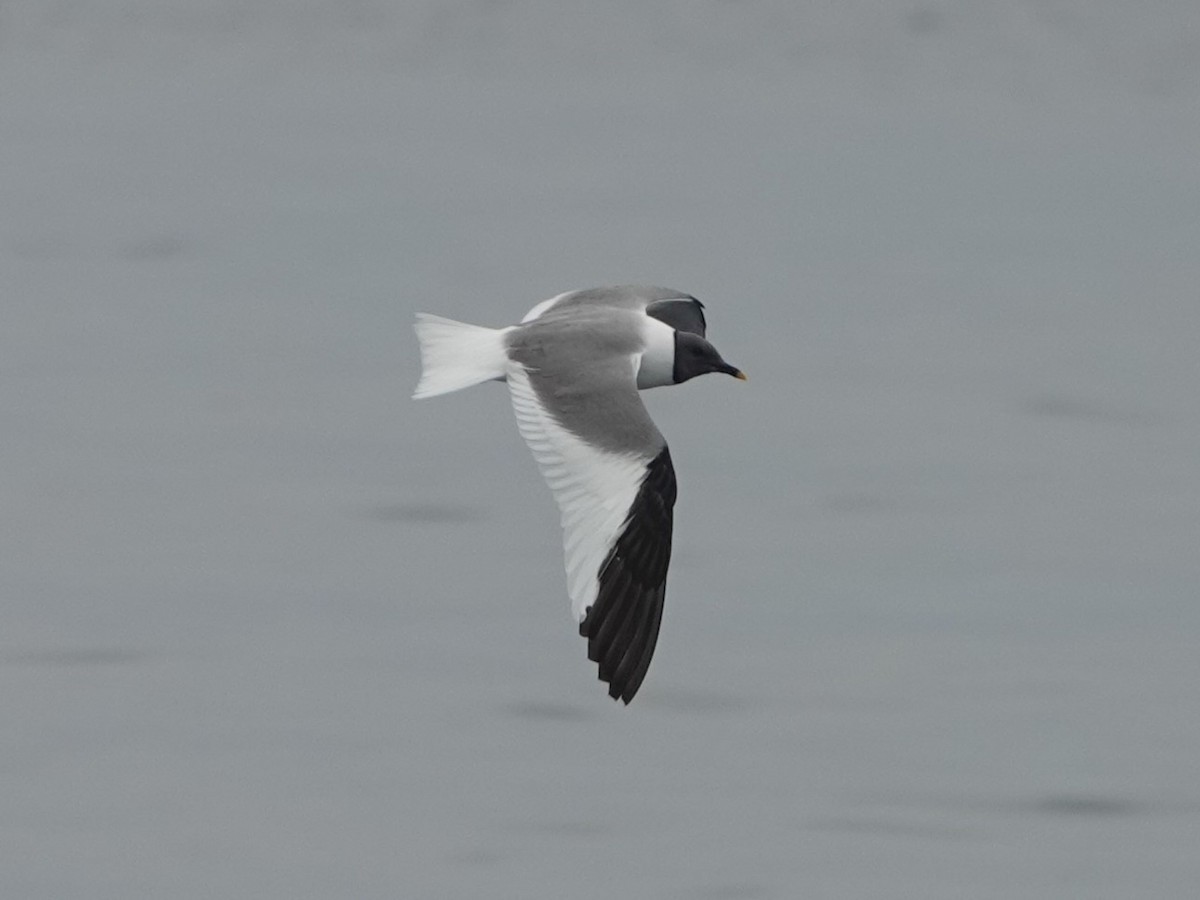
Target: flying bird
574,366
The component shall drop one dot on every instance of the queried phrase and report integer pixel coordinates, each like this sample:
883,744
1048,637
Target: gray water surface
270,629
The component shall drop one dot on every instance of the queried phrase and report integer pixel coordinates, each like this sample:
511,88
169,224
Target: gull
574,366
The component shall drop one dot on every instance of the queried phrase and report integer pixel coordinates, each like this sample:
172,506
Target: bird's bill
734,371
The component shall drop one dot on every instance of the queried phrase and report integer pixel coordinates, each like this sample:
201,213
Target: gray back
681,311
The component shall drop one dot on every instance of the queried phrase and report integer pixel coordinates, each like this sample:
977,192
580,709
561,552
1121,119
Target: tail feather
455,355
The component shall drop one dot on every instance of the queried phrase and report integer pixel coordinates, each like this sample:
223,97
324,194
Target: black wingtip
622,625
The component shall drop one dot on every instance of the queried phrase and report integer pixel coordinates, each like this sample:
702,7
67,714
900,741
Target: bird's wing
544,306
683,312
611,474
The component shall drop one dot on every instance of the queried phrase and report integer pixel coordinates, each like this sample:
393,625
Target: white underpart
656,366
542,307
594,489
455,355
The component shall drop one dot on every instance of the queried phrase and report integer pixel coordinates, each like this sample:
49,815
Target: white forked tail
455,355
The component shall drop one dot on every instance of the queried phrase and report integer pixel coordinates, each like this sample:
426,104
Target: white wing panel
594,489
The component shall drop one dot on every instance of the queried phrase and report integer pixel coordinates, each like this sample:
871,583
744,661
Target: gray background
270,629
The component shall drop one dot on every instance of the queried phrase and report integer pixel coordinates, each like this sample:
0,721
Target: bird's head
696,356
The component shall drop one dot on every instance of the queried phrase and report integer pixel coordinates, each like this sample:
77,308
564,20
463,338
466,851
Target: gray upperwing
581,366
681,311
